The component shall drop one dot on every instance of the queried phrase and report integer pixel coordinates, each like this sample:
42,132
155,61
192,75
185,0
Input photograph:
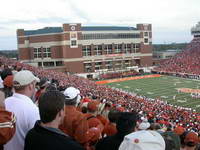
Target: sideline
126,79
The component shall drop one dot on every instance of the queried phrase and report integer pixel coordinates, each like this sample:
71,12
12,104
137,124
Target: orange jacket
75,124
103,119
7,126
109,129
94,122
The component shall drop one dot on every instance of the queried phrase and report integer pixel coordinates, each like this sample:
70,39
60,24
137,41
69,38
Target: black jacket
41,138
111,142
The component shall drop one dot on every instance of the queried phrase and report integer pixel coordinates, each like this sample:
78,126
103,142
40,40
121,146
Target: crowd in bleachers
185,63
123,74
95,104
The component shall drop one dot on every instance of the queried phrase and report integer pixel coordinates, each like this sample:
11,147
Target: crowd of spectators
184,63
101,99
119,74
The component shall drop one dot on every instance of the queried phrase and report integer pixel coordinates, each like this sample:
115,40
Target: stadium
86,49
168,95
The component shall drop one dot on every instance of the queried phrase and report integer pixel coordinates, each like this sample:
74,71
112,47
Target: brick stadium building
85,49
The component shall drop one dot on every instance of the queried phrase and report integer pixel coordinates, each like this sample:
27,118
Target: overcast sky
171,19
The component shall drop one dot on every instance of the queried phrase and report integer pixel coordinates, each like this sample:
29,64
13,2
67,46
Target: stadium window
127,63
73,43
86,50
118,65
146,40
127,48
48,64
137,47
88,67
59,63
108,65
46,52
110,36
146,34
98,50
39,64
118,48
108,49
98,65
37,53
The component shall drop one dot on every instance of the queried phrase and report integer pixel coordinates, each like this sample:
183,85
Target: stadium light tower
195,31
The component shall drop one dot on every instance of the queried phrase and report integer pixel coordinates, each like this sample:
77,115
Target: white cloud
169,16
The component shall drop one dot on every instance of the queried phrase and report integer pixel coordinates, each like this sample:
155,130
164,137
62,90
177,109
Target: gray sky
171,19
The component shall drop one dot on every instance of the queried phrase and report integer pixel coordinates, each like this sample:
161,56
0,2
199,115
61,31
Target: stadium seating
186,62
119,74
153,109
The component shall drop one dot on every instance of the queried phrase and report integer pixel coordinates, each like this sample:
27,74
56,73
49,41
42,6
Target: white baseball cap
71,93
24,77
143,140
144,125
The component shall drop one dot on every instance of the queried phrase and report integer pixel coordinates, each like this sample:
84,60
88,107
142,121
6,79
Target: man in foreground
45,135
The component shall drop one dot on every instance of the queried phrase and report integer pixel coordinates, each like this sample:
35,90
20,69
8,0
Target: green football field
165,88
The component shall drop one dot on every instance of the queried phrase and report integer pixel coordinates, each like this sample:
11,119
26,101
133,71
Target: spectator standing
110,128
75,123
45,135
23,107
125,125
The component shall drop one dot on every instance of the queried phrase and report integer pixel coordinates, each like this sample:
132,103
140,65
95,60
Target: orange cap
192,137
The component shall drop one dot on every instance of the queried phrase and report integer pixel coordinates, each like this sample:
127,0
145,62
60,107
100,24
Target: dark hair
155,126
107,105
7,91
172,140
113,116
127,122
5,73
51,87
50,103
84,110
43,83
182,137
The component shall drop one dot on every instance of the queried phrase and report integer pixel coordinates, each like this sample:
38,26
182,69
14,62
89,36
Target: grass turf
165,88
